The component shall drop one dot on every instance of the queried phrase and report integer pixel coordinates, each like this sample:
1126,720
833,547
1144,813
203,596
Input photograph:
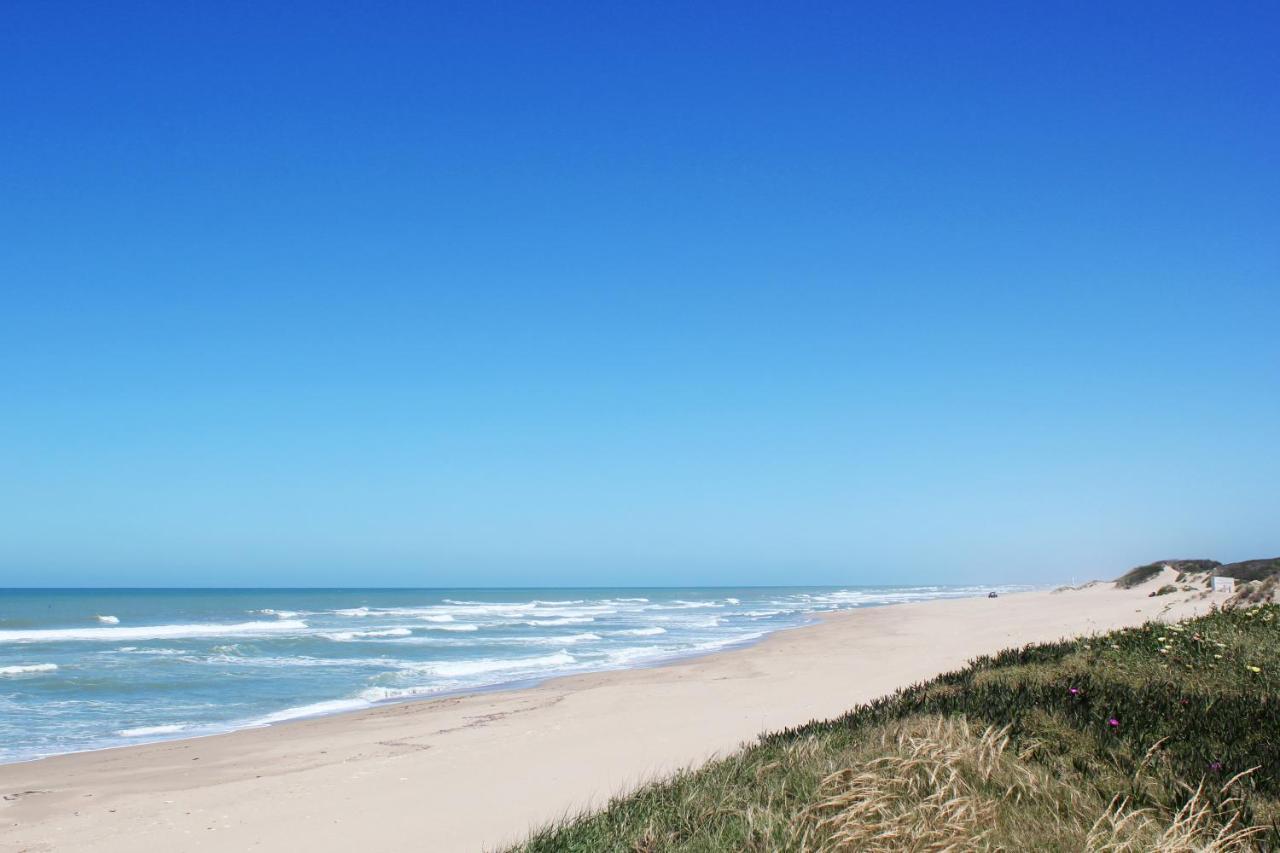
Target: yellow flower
1254,668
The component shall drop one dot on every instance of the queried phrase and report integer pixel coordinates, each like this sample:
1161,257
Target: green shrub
1139,575
1250,570
1142,574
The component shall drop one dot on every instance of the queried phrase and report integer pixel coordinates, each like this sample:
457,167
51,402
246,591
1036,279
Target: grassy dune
1142,574
1165,737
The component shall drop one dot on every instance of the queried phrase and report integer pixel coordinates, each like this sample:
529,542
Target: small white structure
1224,584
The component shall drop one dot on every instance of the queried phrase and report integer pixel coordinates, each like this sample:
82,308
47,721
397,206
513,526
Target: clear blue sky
643,293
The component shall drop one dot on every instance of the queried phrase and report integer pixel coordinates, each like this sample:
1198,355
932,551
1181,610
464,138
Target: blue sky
415,294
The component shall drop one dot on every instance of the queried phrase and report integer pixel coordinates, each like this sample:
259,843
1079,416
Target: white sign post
1224,584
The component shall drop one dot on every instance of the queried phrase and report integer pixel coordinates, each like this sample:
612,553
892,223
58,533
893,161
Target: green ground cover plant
1164,737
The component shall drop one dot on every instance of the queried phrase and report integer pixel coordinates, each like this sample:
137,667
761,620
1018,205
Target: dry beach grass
1156,738
480,771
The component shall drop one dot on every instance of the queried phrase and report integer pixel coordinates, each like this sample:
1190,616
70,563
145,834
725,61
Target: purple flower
1114,723
1075,691
1216,766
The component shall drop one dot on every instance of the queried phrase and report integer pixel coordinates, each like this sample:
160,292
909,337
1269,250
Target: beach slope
479,771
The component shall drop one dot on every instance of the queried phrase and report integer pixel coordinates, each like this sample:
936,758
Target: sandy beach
476,772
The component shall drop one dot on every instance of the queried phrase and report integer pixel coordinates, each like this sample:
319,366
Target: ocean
89,669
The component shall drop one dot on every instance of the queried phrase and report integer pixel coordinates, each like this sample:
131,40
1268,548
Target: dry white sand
478,771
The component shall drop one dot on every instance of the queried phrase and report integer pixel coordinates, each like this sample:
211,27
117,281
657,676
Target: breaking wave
153,632
27,669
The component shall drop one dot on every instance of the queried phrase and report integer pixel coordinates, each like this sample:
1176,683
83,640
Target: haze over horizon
563,295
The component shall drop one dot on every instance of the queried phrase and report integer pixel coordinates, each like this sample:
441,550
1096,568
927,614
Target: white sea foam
725,642
566,620
351,636
279,614
452,610
152,731
108,620
556,641
28,668
384,694
152,632
465,603
481,643
487,607
519,610
315,709
294,662
592,610
486,665
633,655
428,613
629,655
847,598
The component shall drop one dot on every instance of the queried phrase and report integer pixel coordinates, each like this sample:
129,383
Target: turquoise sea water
86,669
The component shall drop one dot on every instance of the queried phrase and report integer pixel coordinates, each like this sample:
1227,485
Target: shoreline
499,687
350,778
359,705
